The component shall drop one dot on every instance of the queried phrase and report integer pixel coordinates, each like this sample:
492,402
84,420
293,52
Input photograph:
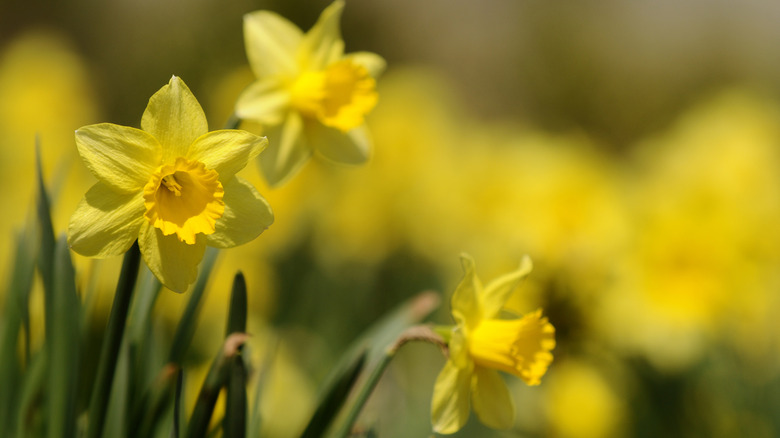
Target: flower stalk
422,333
109,352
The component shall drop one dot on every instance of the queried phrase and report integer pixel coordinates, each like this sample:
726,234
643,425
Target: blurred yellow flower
581,402
703,204
171,185
480,344
308,93
46,92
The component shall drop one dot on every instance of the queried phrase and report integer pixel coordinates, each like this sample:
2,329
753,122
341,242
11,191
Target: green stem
365,391
416,333
110,350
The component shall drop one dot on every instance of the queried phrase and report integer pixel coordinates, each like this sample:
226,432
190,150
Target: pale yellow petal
491,399
353,147
450,403
465,304
175,118
106,222
287,150
372,62
120,156
271,42
246,215
172,261
459,348
264,101
495,294
322,45
227,151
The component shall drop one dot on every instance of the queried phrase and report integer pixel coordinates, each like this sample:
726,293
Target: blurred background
631,149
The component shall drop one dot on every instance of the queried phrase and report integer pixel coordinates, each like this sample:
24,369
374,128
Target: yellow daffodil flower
171,185
311,97
481,345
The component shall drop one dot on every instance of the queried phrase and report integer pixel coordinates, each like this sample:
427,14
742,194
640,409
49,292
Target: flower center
338,97
170,182
184,199
520,346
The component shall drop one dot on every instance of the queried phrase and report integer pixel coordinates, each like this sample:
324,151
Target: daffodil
311,97
480,345
171,185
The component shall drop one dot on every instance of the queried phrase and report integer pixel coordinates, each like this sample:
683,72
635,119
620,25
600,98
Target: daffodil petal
289,151
120,156
227,151
465,303
246,215
172,261
459,348
175,118
491,399
271,42
450,403
264,101
353,147
372,62
105,223
322,45
495,294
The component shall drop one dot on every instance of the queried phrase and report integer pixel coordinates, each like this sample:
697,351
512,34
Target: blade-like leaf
333,397
109,352
215,380
32,387
186,328
47,243
234,424
236,322
176,430
155,402
384,333
63,346
16,316
367,349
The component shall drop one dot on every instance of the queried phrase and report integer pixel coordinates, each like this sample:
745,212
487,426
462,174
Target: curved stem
417,333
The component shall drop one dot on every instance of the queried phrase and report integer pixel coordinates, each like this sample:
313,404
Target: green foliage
136,391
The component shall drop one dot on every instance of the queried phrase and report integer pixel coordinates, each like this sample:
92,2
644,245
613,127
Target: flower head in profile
171,185
311,97
481,344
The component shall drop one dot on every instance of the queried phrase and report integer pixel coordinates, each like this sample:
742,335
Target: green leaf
155,402
333,397
176,431
112,341
386,330
236,322
63,346
186,328
234,424
255,418
379,337
215,380
32,387
47,243
117,418
16,316
148,352
146,295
